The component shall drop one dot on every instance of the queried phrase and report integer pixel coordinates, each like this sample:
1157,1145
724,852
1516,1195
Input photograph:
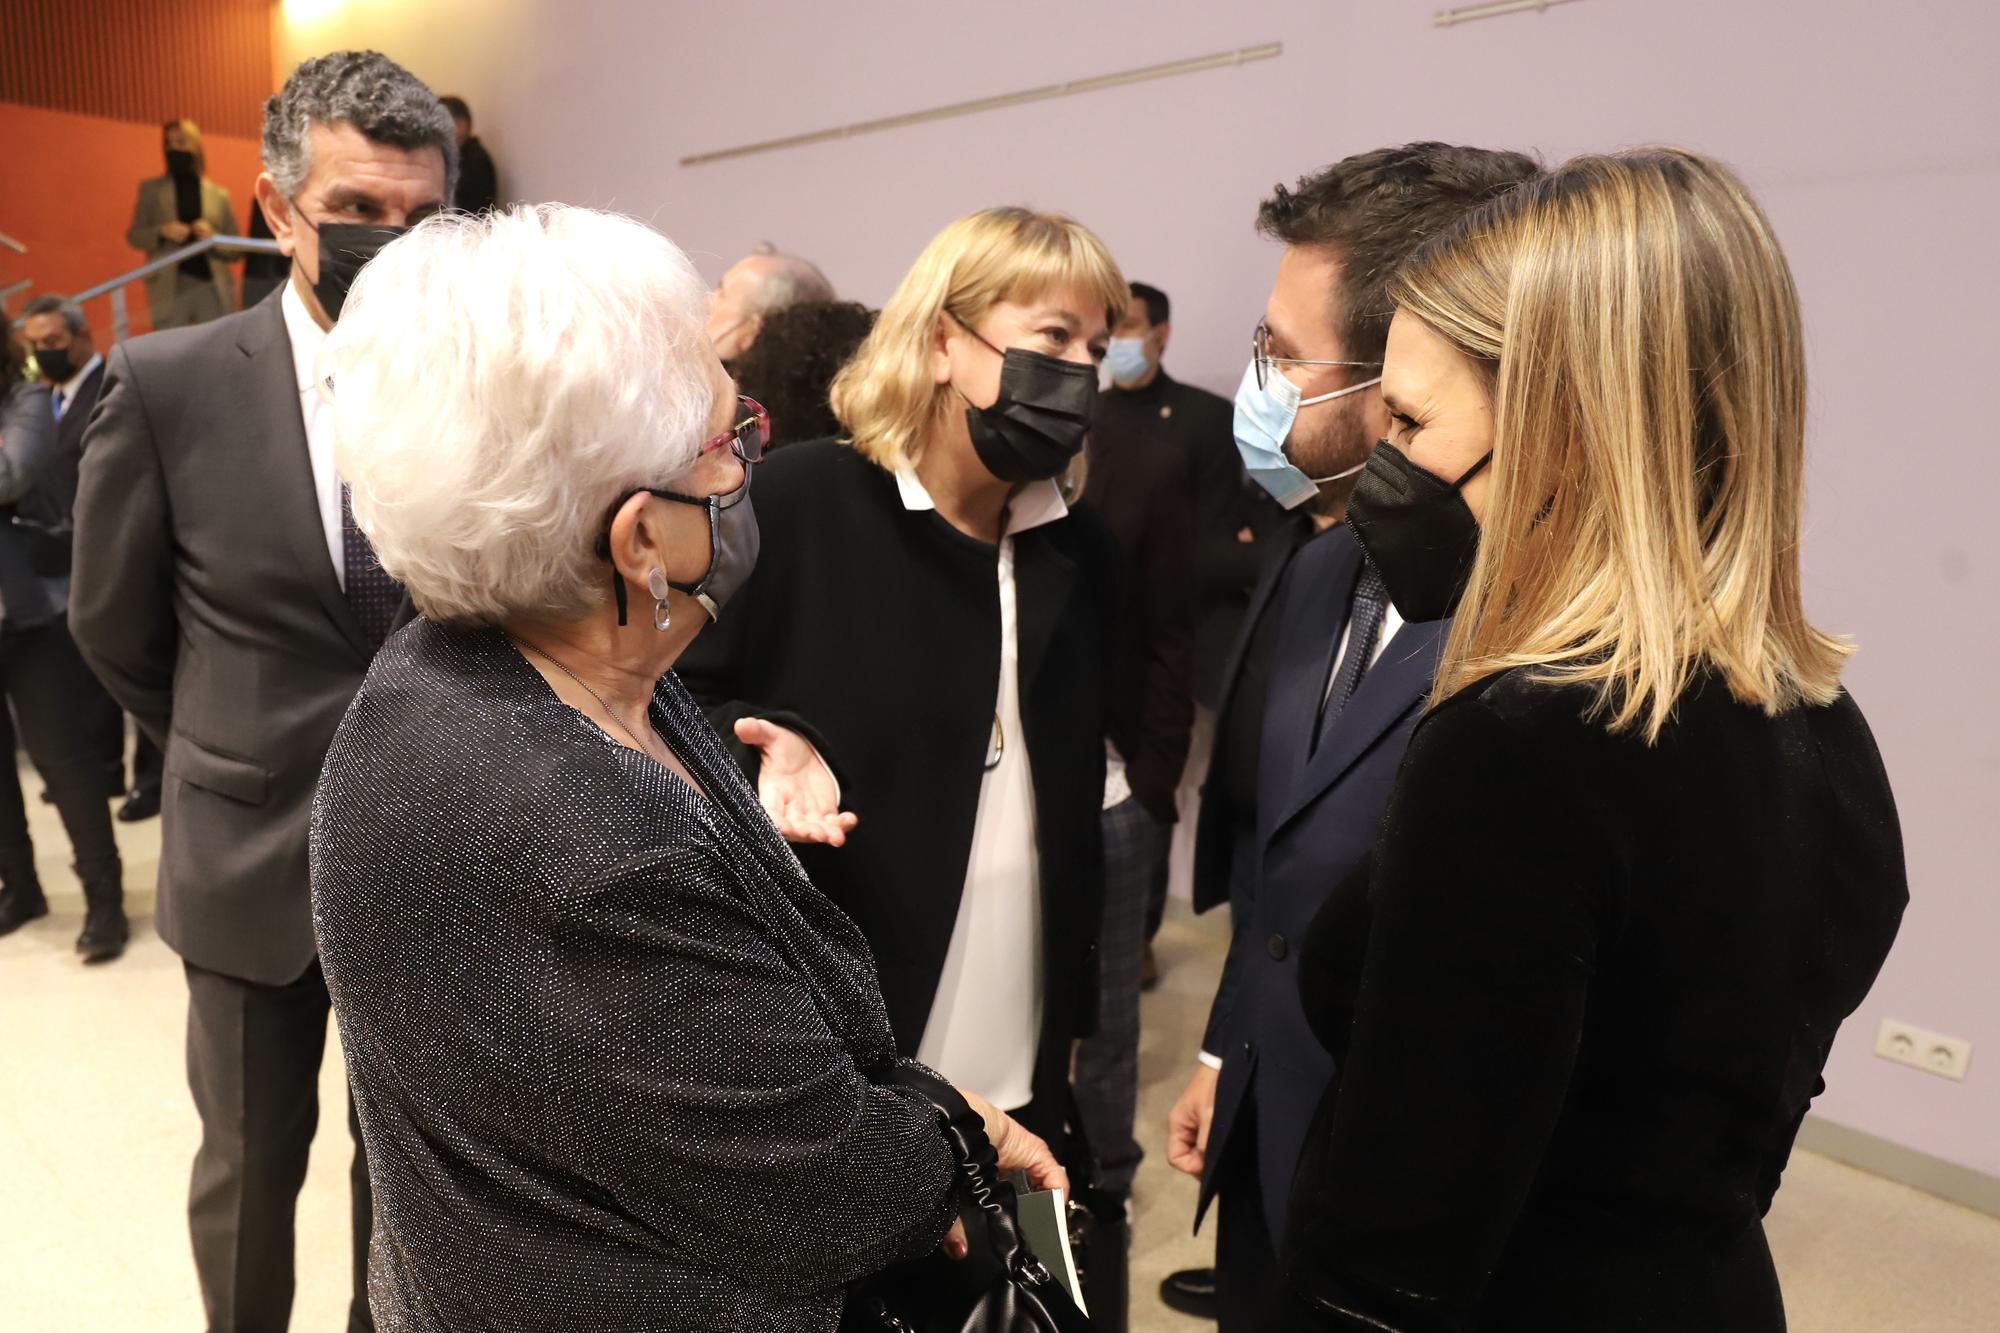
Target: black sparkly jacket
611,1050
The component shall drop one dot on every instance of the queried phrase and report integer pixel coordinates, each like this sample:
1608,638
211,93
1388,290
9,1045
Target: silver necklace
608,710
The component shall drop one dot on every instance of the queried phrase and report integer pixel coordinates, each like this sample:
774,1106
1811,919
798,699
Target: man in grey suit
177,209
226,598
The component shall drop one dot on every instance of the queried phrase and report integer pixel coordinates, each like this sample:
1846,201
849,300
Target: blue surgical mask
1126,359
1264,418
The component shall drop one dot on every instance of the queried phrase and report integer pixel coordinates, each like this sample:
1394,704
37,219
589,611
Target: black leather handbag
1000,1286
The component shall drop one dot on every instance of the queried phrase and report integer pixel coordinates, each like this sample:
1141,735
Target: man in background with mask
1150,407
1322,689
226,598
178,209
754,287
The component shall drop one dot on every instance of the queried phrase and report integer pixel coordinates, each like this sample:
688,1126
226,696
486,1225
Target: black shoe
141,804
19,906
104,934
1191,1291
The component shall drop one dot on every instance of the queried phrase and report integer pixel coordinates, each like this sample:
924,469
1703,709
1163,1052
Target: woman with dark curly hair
791,366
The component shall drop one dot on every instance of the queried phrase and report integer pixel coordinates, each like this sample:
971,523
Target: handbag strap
978,1166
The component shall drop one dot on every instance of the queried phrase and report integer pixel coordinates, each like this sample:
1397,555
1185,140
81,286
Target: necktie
1371,600
373,596
59,404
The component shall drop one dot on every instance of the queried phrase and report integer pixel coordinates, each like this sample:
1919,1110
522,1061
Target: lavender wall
1870,131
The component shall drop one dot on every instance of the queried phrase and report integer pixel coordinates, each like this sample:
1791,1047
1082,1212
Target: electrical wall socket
1931,1052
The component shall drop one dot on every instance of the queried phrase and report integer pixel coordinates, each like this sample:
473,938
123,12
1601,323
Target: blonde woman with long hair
1642,858
914,673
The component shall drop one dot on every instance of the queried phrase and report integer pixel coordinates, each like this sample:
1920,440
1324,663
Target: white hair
498,383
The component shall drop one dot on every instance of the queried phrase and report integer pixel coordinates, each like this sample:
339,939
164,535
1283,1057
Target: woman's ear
941,352
635,543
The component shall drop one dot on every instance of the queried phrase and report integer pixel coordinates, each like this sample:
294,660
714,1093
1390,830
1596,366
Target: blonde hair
1641,331
885,397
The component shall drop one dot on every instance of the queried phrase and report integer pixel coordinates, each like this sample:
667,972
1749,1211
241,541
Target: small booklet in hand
1044,1218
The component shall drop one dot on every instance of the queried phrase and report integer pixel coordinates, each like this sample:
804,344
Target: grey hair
364,89
50,304
792,281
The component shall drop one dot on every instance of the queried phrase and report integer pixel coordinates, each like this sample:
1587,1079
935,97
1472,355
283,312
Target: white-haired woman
618,1064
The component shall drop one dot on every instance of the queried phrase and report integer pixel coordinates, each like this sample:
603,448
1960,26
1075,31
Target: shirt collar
307,337
1035,504
68,387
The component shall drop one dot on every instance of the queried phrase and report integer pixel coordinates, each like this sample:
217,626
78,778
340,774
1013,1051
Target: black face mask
344,248
1036,425
1416,530
180,162
56,364
733,542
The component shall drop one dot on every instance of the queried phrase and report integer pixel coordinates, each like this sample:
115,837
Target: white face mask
1264,418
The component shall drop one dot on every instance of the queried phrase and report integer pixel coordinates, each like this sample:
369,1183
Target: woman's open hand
795,786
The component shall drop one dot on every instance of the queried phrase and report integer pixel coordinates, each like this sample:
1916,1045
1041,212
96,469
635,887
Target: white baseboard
1878,1156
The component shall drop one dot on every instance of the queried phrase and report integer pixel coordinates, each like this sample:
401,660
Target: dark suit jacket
1200,426
874,630
1318,813
48,508
28,426
478,181
1139,483
205,599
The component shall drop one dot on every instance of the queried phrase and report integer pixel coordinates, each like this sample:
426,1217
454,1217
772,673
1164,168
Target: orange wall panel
70,184
142,60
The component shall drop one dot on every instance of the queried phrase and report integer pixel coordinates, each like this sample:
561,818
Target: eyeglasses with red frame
749,436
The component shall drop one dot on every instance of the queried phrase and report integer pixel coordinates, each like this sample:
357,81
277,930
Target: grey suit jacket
153,210
205,598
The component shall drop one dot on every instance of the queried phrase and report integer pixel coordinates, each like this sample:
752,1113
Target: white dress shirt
986,1019
65,393
307,338
1391,623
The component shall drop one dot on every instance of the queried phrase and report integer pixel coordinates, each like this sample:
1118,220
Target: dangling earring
656,584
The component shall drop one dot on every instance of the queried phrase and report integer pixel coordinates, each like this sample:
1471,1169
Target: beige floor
96,1132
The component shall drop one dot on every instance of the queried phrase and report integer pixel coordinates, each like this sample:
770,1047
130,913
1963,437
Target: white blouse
986,1019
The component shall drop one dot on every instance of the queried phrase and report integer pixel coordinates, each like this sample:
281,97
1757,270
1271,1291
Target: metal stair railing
115,287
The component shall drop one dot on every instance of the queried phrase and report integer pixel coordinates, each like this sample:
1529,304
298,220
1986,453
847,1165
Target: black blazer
1139,484
617,1064
1199,426
1580,1008
204,597
1318,813
875,631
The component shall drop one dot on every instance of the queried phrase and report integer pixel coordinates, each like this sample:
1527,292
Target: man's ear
1165,329
277,212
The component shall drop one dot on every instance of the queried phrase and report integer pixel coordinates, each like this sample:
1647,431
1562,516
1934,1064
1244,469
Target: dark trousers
148,764
253,1064
1107,1064
1246,1254
51,693
107,726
